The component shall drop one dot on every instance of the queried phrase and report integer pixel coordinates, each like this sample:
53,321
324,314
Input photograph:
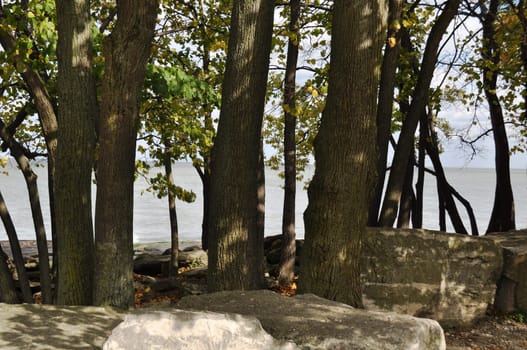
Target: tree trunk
126,53
502,218
407,197
204,175
417,215
443,187
405,143
27,296
48,121
287,259
174,232
75,154
235,248
385,105
7,285
30,177
345,155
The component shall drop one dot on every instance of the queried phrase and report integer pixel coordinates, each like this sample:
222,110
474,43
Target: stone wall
450,278
512,286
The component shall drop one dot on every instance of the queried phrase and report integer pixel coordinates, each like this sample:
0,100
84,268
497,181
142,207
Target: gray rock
179,329
149,263
315,323
450,278
512,287
53,327
192,256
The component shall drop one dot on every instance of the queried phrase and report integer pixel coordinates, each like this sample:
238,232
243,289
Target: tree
126,53
236,242
420,97
502,218
287,258
78,112
386,99
22,58
16,251
17,151
345,155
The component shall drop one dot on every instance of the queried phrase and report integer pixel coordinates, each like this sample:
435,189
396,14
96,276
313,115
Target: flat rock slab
52,327
315,323
512,287
192,330
450,278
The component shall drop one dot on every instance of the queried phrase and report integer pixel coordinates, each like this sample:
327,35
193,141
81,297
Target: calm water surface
151,223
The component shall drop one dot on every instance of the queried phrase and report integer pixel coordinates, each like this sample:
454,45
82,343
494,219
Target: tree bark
204,175
7,285
502,218
286,268
345,155
235,246
76,136
407,197
405,143
126,52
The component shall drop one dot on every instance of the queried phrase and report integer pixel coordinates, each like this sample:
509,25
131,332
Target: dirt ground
490,333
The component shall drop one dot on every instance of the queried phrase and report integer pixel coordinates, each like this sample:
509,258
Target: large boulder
180,329
450,278
315,323
512,287
52,327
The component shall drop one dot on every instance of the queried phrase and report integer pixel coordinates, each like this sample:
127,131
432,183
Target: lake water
151,223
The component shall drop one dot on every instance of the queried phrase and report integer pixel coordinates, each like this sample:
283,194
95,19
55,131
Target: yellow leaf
392,41
314,93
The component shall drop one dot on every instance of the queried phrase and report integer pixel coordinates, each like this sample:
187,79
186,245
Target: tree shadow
55,327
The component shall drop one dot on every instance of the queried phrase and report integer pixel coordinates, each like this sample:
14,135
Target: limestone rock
55,327
315,323
512,287
193,256
179,329
450,278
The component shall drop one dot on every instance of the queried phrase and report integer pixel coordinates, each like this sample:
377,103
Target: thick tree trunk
385,105
27,296
126,53
502,218
405,143
286,269
75,154
345,155
235,246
